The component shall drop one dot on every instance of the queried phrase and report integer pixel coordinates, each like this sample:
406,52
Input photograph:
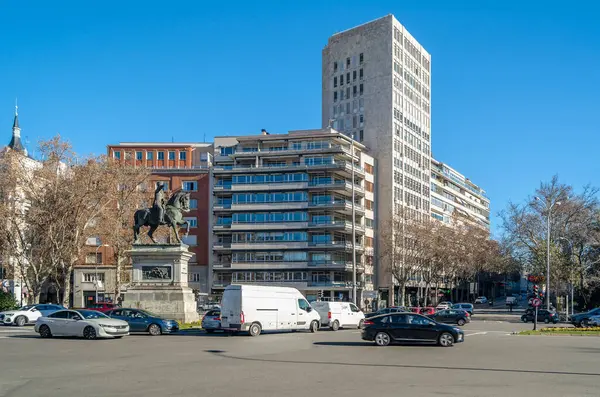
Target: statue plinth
160,281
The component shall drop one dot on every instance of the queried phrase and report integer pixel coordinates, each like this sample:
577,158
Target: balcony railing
333,164
303,148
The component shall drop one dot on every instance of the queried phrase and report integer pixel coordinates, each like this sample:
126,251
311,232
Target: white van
339,314
257,308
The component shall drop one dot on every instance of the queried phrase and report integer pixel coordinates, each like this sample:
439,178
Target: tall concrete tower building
377,87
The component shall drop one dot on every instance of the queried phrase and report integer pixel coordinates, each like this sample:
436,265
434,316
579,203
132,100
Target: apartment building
283,213
376,86
179,166
455,197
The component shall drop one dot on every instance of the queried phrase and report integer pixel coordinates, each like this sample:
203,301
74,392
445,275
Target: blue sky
514,83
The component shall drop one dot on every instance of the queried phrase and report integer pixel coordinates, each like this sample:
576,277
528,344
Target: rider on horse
159,202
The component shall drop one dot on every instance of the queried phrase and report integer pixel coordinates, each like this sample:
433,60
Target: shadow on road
380,365
343,344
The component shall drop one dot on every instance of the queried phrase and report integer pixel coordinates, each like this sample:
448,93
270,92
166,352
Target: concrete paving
491,362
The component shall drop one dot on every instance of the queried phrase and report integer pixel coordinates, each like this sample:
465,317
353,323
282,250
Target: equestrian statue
169,213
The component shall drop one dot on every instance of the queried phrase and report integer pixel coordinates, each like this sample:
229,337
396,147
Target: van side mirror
309,309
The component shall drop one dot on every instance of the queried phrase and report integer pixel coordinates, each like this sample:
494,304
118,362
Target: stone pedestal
160,282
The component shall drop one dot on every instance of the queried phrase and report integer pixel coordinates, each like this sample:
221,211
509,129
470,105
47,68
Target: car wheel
524,319
361,324
154,330
335,326
118,337
210,331
585,323
382,339
20,321
45,332
547,321
446,339
89,333
460,322
255,329
314,326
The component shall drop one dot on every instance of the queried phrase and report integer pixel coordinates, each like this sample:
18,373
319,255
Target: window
369,223
361,58
182,155
347,63
361,89
369,186
117,155
171,155
91,277
369,169
354,76
93,258
93,241
190,240
368,204
195,277
192,221
335,67
149,155
138,155
361,135
303,305
360,74
61,314
193,204
347,92
334,82
354,91
354,308
342,79
161,156
348,78
189,186
334,96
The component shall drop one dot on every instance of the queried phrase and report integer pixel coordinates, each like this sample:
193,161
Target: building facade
455,197
283,213
180,166
376,86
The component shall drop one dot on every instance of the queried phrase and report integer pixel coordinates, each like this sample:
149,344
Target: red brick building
179,166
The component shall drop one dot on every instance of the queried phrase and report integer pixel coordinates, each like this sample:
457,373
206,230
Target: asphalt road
491,362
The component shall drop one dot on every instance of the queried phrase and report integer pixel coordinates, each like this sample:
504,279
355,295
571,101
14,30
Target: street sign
536,302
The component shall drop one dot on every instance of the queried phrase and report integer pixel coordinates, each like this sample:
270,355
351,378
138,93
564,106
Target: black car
387,310
581,319
409,328
543,316
451,316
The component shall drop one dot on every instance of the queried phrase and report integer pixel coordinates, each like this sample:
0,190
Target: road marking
477,333
15,330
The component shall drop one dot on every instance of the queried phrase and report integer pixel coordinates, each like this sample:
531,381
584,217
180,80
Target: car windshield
149,314
92,314
25,308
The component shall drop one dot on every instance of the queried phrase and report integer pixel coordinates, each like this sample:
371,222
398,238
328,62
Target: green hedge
7,301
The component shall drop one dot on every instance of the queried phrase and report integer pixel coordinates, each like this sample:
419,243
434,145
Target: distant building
455,197
283,213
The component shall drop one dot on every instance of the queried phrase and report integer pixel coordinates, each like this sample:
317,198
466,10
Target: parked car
451,316
336,315
443,306
409,328
387,310
481,299
423,310
594,321
511,301
144,321
102,307
582,319
543,316
463,306
211,321
89,324
257,308
27,314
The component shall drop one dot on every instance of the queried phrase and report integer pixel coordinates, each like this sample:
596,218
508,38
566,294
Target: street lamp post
549,209
96,269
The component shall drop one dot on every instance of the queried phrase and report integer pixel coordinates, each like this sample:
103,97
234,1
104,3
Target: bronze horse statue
178,203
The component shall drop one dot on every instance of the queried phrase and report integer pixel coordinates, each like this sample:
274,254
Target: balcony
269,186
296,166
339,185
222,206
283,225
269,245
344,265
270,206
337,204
283,265
336,245
280,283
291,150
334,284
222,246
336,225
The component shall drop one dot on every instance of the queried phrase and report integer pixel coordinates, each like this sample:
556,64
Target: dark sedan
543,316
387,310
409,328
144,321
451,316
581,319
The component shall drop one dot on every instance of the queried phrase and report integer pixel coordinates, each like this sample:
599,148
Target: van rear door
231,308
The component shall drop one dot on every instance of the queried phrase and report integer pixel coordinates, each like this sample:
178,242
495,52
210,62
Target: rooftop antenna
16,106
330,125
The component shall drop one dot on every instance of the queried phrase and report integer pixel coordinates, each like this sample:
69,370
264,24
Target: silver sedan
88,324
211,321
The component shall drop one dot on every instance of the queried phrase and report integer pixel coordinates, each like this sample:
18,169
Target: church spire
15,142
